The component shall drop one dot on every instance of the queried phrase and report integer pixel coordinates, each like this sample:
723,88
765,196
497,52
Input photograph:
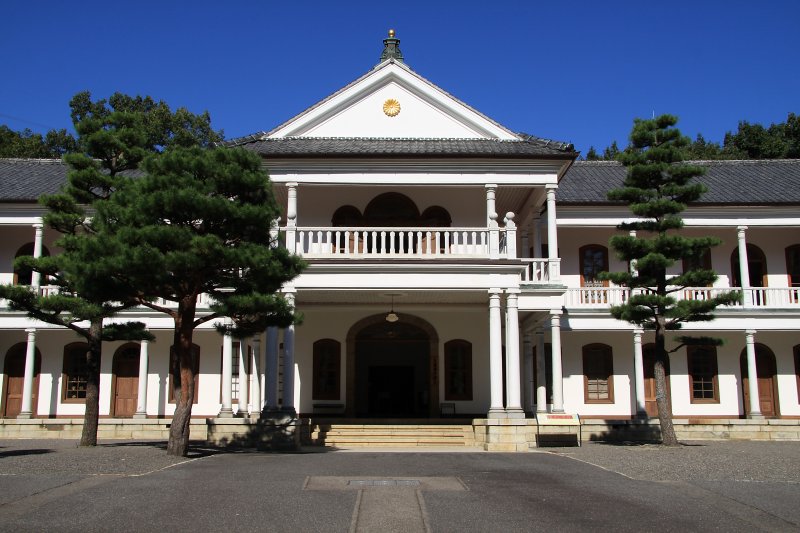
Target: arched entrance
392,368
125,383
767,381
14,372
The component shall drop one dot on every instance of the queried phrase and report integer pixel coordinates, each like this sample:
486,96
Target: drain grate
384,482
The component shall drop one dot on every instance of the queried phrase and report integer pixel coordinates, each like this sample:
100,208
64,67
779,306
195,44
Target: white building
452,269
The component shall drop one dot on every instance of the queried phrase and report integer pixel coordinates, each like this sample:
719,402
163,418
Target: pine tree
199,221
657,188
113,137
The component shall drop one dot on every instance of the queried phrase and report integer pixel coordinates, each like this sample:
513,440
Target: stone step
401,435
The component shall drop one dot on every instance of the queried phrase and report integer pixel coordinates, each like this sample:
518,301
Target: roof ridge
48,160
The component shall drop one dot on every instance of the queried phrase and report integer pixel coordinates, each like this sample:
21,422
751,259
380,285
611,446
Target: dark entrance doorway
392,372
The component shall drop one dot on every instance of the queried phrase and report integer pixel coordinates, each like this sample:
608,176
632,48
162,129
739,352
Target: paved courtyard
135,486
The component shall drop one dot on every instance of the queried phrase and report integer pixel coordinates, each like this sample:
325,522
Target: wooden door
767,386
649,362
14,370
126,381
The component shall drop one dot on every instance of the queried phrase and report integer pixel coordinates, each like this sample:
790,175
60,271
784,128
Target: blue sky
572,71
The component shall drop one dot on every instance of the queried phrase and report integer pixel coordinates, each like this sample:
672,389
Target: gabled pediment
392,101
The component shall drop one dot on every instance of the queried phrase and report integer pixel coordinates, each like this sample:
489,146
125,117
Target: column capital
556,312
741,228
750,333
551,187
38,226
513,290
490,186
291,184
30,331
637,335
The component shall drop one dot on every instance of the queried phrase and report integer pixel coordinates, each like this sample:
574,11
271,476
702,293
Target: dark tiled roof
528,146
586,182
28,179
759,182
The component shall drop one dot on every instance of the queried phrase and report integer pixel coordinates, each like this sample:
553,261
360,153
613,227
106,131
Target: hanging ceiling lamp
392,317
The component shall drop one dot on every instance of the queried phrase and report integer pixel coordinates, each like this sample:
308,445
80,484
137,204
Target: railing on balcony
540,270
759,297
327,242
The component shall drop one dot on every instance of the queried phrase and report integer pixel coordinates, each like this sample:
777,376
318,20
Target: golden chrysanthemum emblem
391,107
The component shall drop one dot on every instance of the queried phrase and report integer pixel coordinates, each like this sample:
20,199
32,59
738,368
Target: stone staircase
349,434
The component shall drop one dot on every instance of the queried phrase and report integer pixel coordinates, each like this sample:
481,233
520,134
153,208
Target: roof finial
391,49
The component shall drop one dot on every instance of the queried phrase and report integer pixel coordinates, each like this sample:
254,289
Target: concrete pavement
735,486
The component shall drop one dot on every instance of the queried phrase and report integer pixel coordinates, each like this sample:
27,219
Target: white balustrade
315,243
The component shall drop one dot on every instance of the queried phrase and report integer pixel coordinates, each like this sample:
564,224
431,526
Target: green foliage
749,141
198,221
657,188
27,144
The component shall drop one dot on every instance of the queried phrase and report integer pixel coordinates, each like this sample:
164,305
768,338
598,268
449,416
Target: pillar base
497,413
139,416
25,415
757,416
515,413
225,413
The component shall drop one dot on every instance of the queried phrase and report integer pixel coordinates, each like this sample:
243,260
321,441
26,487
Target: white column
752,375
141,398
36,277
555,365
256,404
271,369
744,266
513,378
541,373
288,364
511,236
291,216
495,356
638,371
243,378
632,233
227,376
490,205
26,410
527,369
552,233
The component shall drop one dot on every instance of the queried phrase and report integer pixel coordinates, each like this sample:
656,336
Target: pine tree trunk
183,365
668,437
93,355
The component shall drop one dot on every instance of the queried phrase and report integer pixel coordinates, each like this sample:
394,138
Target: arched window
756,263
793,265
24,276
327,370
346,216
391,209
75,374
702,364
598,373
593,260
458,370
436,216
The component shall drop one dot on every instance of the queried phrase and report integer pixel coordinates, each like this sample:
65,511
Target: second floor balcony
600,298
